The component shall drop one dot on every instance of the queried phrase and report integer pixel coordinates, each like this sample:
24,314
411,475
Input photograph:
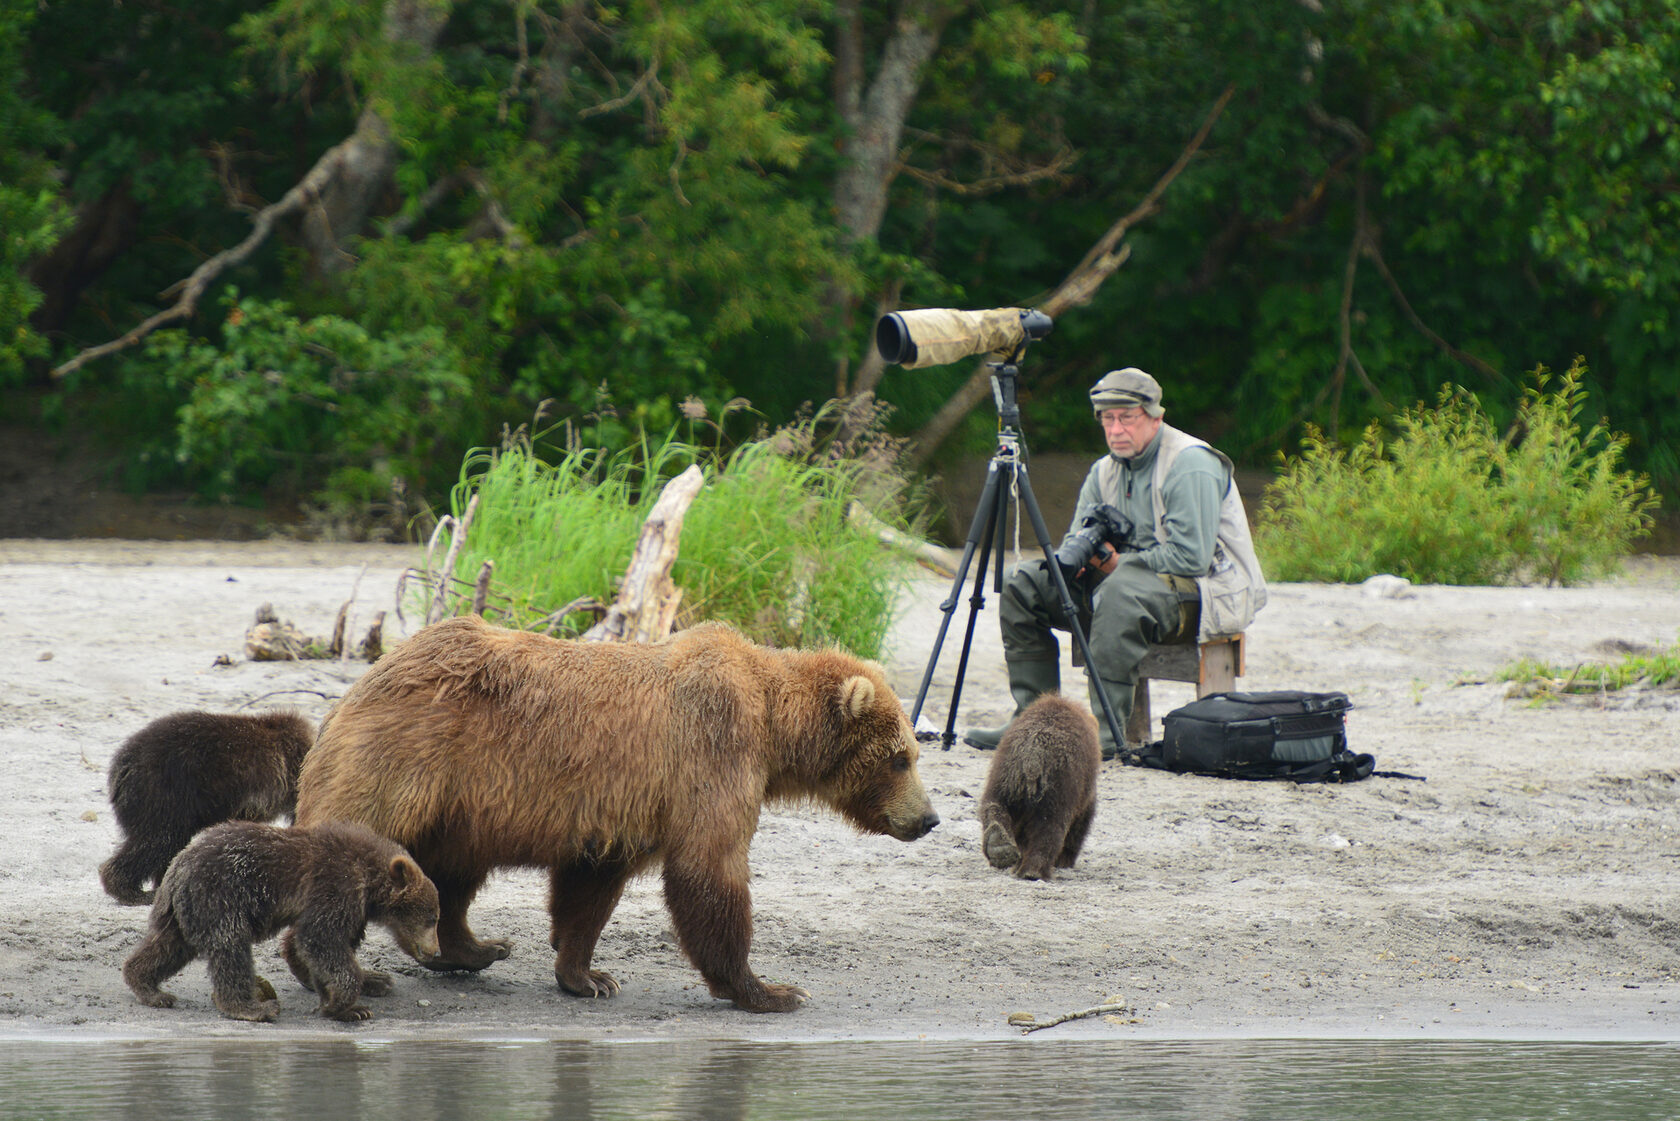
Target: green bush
317,408
1448,500
767,546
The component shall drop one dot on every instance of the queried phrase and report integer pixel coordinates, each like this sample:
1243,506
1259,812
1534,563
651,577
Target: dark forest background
311,251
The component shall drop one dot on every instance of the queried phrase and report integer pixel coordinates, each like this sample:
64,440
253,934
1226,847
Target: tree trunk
368,160
873,112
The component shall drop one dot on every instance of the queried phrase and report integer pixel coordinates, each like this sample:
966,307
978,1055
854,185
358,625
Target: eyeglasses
1120,416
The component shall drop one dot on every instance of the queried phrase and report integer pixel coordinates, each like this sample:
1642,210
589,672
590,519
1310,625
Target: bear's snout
929,820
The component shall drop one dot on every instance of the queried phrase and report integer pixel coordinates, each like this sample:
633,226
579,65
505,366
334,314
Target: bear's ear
404,872
856,695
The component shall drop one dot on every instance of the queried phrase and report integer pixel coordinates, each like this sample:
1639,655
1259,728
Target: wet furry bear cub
189,770
480,747
241,883
1041,791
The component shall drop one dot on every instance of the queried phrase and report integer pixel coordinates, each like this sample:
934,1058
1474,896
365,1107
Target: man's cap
1130,388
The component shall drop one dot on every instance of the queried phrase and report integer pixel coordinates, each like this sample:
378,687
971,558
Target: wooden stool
1213,665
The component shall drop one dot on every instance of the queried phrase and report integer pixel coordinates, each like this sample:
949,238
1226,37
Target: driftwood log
647,600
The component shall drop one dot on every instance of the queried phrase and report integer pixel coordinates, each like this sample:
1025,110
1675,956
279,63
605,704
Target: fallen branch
926,552
1019,1019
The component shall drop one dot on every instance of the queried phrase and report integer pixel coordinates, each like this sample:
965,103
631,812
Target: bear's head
406,904
871,774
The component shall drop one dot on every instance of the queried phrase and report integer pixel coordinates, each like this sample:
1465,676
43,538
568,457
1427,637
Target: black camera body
1105,525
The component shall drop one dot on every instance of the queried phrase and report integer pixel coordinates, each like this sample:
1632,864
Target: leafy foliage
281,402
1448,500
31,215
639,201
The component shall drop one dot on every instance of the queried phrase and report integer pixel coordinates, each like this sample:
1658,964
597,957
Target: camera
1103,525
936,336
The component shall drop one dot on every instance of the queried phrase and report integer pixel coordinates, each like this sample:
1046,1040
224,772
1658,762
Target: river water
1039,1079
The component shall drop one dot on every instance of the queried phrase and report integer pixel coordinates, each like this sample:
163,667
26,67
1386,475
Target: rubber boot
1027,682
1120,696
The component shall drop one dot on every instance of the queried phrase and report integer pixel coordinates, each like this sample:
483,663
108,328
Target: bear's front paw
257,1012
587,982
351,1015
772,997
469,957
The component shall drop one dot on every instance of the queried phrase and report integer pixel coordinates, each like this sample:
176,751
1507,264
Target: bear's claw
593,983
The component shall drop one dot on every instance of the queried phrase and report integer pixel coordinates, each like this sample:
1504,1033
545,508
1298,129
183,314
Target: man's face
1128,431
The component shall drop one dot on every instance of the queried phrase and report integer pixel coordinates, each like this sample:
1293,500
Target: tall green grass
766,546
1447,499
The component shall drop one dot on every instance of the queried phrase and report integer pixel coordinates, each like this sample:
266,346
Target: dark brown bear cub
242,883
183,772
1042,789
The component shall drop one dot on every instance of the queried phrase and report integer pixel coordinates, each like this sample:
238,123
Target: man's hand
1103,560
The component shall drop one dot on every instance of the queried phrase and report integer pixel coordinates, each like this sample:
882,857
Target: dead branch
1039,1025
481,588
303,195
926,552
647,600
457,538
1101,261
583,603
991,184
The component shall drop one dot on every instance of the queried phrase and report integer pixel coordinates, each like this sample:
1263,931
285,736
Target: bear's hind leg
1076,836
997,836
582,896
459,950
163,953
1042,837
712,914
138,859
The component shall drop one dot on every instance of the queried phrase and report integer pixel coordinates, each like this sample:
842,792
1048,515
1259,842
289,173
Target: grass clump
1645,669
767,546
1449,500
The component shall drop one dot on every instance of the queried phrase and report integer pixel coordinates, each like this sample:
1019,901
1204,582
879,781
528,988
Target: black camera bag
1288,734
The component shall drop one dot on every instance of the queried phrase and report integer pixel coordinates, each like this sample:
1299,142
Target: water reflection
1301,1080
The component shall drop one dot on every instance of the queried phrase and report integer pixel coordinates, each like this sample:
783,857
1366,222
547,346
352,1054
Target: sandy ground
1522,884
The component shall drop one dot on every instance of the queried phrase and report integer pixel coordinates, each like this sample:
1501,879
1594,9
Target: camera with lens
936,336
1105,525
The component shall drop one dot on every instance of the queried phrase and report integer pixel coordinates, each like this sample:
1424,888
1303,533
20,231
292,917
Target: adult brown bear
478,747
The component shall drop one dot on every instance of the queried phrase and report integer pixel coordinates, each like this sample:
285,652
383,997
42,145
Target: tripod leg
999,515
1068,610
979,530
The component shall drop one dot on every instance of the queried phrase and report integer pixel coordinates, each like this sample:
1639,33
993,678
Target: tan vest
1233,589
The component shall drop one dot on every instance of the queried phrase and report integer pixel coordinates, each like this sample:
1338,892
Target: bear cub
189,770
241,883
1041,791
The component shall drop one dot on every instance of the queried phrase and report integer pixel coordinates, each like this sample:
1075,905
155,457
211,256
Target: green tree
31,213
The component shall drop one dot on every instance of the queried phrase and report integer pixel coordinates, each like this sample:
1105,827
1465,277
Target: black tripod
1006,474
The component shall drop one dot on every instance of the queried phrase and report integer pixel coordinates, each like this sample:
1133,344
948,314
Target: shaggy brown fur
189,770
1041,791
480,748
241,883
